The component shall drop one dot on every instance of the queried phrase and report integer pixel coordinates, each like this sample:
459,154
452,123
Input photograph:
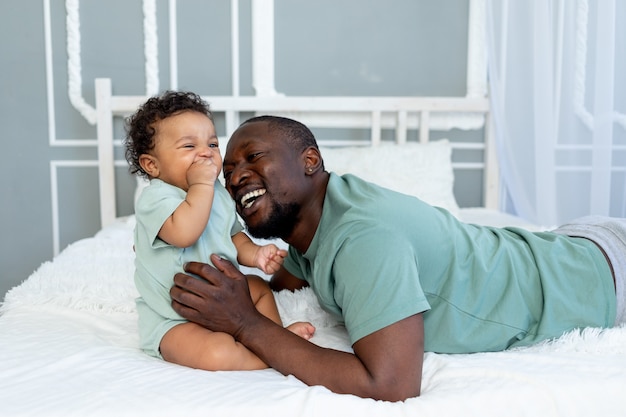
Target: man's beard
280,223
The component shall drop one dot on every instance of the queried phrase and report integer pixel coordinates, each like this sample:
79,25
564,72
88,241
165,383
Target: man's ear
312,160
149,164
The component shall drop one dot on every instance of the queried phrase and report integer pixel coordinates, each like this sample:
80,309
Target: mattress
68,337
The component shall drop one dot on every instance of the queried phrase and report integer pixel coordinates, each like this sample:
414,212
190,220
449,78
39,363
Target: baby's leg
263,298
194,346
303,329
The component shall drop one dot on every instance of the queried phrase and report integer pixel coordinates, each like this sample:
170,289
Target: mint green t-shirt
156,262
379,256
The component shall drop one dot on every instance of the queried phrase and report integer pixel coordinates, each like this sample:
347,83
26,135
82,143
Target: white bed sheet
69,342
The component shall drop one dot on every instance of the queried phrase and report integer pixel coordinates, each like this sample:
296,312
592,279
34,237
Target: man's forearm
387,364
341,372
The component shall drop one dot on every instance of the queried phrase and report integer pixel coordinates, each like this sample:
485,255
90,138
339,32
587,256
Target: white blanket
68,343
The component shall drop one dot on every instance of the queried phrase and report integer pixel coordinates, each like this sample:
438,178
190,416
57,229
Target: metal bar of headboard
108,106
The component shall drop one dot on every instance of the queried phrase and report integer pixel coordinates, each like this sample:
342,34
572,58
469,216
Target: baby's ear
149,164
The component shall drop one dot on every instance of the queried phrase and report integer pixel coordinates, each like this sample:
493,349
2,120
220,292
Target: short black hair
298,134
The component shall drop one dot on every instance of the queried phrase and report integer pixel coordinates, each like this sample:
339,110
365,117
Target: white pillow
420,170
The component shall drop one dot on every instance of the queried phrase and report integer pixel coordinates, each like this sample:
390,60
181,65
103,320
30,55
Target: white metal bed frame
375,113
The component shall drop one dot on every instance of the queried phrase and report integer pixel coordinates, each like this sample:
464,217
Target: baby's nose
206,151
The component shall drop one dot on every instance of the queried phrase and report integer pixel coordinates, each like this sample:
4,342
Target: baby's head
141,126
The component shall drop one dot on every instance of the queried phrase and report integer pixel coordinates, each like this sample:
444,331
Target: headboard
373,113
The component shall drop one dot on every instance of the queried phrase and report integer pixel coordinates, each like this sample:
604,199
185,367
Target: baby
185,214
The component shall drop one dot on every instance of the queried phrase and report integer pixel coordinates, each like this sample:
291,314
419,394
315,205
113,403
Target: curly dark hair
140,126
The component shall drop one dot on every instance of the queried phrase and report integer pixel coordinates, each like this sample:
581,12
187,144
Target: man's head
268,167
295,133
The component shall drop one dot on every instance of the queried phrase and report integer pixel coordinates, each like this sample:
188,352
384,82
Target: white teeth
248,198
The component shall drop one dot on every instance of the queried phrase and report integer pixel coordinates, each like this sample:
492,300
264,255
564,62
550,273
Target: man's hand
219,301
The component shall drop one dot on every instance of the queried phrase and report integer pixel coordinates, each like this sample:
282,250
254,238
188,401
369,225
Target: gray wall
327,47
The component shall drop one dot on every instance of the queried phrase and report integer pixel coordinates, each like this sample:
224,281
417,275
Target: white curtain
557,78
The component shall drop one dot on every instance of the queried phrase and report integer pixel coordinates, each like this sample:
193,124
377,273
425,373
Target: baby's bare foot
303,329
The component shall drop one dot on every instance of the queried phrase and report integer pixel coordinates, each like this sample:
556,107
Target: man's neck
310,215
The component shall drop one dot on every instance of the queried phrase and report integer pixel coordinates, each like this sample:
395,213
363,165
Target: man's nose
237,174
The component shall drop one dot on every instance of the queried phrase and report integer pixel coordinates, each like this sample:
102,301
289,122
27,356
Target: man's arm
386,365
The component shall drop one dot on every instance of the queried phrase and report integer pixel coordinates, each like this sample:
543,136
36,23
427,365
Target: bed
68,333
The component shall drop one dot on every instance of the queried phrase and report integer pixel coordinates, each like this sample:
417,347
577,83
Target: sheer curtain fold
558,108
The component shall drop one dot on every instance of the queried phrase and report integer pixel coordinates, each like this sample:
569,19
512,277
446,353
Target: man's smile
250,197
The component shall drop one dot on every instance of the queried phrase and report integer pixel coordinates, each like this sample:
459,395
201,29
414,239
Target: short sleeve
376,282
155,204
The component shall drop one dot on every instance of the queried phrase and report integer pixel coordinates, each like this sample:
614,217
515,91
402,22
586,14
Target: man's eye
253,156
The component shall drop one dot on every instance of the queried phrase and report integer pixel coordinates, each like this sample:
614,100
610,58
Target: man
404,276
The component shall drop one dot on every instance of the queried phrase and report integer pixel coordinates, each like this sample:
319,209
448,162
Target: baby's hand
202,171
269,258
